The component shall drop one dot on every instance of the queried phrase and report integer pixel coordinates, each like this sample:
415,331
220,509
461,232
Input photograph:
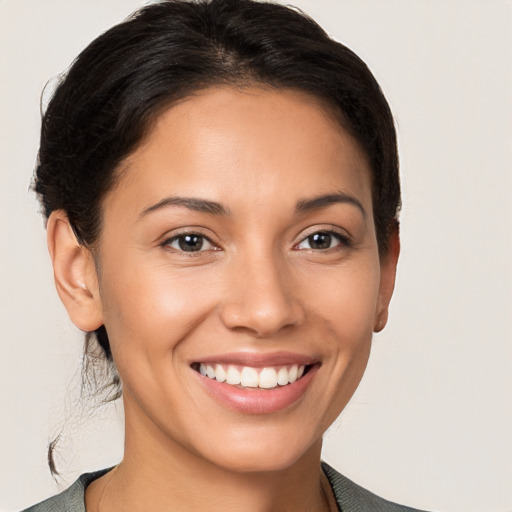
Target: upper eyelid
344,238
193,230
167,240
337,235
328,228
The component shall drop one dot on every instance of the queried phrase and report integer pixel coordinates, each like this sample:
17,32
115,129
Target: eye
189,242
323,240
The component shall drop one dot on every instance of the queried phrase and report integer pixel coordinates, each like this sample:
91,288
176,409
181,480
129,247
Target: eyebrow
306,205
214,208
192,203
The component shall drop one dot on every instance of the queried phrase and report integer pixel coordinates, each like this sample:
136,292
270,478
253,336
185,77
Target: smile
253,383
269,377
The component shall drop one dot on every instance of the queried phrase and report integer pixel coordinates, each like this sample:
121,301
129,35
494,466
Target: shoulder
72,499
351,497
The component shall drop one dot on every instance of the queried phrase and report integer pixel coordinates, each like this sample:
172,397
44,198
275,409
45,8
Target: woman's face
240,242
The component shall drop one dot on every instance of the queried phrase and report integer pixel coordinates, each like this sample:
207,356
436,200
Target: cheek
148,315
346,297
152,309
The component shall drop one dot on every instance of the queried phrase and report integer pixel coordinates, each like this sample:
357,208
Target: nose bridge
261,295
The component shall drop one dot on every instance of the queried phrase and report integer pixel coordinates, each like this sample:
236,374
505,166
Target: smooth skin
281,255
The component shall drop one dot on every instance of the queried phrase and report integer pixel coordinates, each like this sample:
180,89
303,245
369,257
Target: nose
261,297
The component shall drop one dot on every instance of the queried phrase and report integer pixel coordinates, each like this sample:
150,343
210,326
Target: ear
388,265
75,273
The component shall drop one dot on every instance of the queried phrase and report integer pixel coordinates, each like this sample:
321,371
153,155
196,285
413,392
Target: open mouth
268,377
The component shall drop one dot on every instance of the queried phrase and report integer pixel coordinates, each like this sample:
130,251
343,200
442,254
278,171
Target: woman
221,186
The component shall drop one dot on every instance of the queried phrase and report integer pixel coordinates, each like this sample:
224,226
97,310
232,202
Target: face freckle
240,235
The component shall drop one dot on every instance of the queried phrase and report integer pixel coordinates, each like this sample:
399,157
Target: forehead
238,144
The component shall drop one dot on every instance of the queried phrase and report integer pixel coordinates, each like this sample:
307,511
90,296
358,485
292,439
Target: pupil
320,241
190,243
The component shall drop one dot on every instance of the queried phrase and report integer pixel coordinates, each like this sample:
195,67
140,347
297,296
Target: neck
165,475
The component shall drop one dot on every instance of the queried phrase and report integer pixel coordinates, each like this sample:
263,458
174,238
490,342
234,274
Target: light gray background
431,424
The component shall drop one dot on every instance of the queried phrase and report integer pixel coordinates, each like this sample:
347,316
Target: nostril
261,319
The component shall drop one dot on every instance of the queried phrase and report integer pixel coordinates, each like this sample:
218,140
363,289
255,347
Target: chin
264,454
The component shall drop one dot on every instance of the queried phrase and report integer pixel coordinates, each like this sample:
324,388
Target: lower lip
257,400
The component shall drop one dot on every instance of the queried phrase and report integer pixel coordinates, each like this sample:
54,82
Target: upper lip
258,359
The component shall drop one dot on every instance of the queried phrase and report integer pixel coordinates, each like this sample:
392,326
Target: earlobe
381,319
74,273
387,279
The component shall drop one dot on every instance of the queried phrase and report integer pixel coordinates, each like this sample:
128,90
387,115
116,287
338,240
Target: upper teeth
247,376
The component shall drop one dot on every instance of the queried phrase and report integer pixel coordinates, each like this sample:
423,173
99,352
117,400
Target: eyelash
182,236
343,242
